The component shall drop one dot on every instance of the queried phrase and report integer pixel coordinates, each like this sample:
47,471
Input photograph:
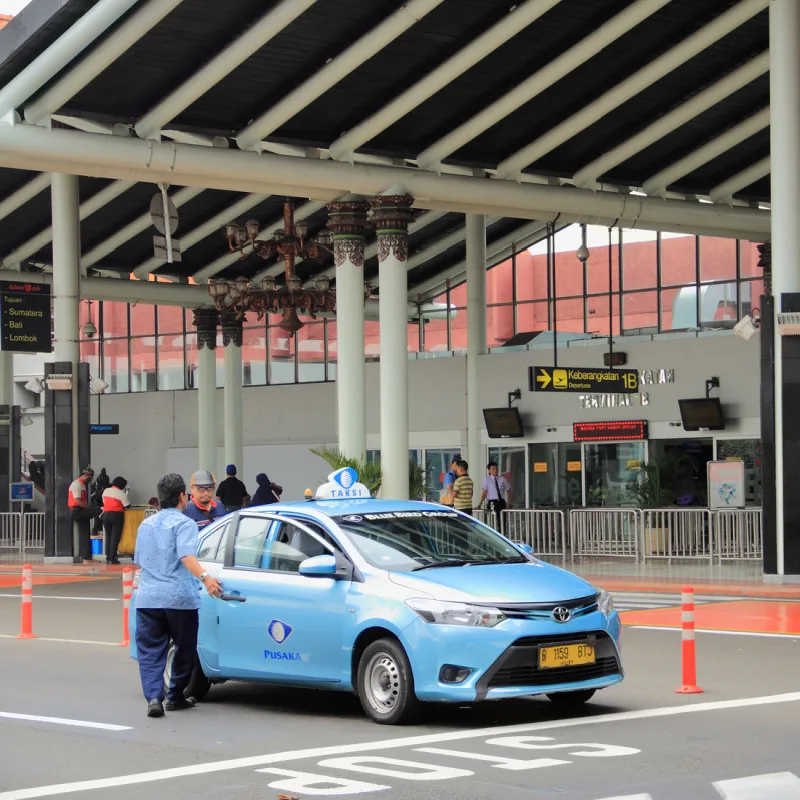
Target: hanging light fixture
288,243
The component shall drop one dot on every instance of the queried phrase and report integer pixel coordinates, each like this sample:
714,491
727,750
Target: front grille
519,664
531,675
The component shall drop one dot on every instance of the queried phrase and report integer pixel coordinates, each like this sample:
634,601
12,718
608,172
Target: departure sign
26,317
609,431
583,379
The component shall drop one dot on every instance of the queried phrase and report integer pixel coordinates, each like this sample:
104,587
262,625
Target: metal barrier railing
487,518
9,530
738,534
677,533
543,529
32,529
609,532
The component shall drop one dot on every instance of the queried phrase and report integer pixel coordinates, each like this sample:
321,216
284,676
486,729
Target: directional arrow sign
583,379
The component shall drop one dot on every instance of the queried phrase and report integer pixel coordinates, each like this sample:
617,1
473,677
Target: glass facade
636,283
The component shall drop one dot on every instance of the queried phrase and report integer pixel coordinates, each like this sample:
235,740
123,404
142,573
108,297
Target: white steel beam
674,119
89,207
210,167
24,193
108,51
94,23
137,226
631,86
209,227
334,71
557,69
236,53
227,259
708,152
724,192
343,149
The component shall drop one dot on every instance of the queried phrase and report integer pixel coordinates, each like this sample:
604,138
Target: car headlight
439,612
605,602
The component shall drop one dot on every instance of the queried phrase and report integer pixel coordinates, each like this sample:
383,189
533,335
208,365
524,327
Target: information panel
583,379
104,428
26,317
609,431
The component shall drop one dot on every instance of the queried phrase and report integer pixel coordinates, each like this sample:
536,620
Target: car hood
534,582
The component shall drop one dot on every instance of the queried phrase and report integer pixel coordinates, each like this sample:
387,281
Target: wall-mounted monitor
702,414
503,423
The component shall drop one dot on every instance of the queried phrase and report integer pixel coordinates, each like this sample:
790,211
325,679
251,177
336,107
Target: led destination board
26,318
609,431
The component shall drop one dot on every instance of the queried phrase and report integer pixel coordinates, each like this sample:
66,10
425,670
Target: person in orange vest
82,513
115,501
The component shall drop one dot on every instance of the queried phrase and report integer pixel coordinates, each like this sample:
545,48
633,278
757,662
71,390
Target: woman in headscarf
267,492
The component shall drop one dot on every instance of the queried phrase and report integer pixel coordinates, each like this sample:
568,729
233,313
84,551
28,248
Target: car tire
198,684
571,699
386,684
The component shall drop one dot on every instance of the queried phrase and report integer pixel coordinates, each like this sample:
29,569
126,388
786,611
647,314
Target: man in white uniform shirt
495,492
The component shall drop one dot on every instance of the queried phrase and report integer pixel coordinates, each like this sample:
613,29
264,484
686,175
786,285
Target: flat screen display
702,414
623,430
503,423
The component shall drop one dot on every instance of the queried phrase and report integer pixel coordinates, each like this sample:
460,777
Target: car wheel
571,699
198,684
386,683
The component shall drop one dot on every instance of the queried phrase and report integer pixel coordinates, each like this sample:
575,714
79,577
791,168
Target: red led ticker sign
609,431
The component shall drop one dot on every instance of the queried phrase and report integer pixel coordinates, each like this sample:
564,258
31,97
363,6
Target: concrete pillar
392,213
476,340
783,554
233,391
347,219
6,378
205,321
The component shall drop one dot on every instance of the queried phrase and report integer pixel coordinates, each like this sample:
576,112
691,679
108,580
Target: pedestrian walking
231,492
463,489
115,501
167,600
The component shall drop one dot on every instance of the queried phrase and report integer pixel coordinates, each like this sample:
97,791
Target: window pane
311,352
143,320
248,549
89,350
568,274
170,319
609,469
639,260
678,260
719,306
751,295
570,316
254,356
598,315
281,353
115,320
291,548
679,309
458,330
749,260
115,365
170,361
499,325
499,287
143,364
640,310
597,266
542,475
511,465
532,317
570,491
717,258
532,275
437,464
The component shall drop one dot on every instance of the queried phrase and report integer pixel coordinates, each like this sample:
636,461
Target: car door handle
233,598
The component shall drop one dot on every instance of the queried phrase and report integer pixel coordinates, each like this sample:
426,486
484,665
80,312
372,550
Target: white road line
78,723
631,797
387,744
65,641
779,785
65,597
718,633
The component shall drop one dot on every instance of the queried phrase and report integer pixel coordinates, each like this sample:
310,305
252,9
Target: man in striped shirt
463,489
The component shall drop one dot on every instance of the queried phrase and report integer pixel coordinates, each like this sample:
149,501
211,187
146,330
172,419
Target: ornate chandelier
268,298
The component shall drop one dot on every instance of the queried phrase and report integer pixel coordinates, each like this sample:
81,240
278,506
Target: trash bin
97,546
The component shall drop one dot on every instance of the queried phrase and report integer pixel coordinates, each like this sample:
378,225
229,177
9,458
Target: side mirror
525,547
319,566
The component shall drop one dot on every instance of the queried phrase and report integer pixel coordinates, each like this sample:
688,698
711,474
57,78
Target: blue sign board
106,429
22,492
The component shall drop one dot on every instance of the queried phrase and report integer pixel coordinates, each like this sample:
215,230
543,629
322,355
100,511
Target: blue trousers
155,628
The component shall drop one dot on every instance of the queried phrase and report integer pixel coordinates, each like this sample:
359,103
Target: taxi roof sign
343,485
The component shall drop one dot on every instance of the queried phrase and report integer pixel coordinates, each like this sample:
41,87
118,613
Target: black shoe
155,708
181,703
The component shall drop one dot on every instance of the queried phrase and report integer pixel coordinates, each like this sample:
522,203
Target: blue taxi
398,602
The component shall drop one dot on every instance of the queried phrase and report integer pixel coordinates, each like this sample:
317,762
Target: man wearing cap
232,492
202,508
82,513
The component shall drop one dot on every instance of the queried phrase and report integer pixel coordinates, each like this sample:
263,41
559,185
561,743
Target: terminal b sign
583,379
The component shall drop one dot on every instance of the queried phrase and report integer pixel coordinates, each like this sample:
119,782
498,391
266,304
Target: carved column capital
231,323
765,262
346,219
206,321
392,214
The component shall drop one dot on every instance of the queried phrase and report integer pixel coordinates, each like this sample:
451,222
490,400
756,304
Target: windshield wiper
459,562
512,560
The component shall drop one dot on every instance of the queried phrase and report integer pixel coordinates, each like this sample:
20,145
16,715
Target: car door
211,554
274,623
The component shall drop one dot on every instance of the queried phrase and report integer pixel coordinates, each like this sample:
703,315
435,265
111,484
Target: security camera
89,329
746,327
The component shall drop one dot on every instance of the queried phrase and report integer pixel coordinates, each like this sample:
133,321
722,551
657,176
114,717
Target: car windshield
406,541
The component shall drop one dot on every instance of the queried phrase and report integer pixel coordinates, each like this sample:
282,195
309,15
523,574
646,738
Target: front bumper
503,661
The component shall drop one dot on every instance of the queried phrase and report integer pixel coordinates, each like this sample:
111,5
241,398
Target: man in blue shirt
167,600
202,507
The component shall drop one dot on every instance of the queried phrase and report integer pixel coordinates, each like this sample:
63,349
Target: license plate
567,655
